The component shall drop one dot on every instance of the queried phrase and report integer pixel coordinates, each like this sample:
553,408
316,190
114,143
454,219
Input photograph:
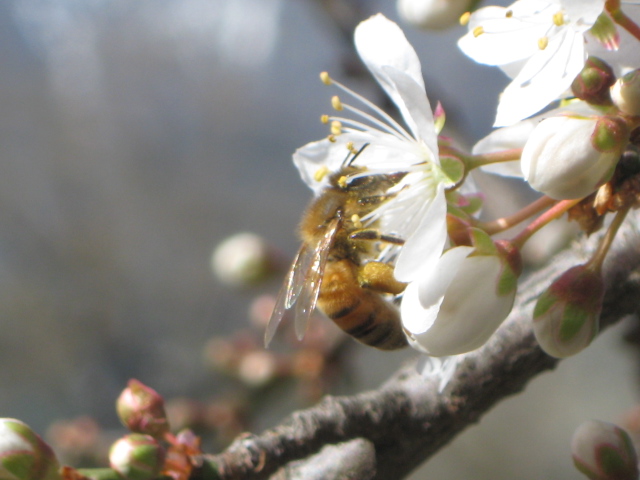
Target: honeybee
329,271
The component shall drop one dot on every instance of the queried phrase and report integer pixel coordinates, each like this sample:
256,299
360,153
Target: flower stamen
388,121
320,173
336,103
558,18
543,42
325,78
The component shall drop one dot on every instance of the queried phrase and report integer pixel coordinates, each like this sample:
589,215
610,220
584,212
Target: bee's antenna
348,161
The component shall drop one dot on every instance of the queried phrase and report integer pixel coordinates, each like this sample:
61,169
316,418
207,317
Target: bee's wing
288,292
308,296
302,284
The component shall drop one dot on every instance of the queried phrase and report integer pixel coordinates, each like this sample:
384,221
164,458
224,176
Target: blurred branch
388,432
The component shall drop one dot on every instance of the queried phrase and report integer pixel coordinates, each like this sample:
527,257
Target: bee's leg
378,276
375,235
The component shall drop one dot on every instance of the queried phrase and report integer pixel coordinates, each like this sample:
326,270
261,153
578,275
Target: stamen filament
363,127
373,107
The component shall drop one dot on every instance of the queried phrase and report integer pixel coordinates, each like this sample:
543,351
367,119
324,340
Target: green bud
610,135
593,82
566,316
137,457
141,409
24,455
604,451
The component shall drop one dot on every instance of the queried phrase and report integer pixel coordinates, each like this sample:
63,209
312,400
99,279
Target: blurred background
135,136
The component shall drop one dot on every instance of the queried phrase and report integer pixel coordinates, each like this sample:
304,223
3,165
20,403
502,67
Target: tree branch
392,430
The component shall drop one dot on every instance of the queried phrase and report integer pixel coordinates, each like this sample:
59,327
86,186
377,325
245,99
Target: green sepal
544,303
482,242
453,168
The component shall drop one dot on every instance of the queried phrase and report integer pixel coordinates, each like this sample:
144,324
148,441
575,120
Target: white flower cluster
573,60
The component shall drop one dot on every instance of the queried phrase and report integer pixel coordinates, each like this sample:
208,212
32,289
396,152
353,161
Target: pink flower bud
565,318
137,457
141,410
570,157
604,451
24,455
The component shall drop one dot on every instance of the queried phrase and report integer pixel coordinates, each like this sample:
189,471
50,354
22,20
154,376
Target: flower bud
460,302
137,457
141,409
566,316
242,260
604,451
433,14
24,455
570,157
626,93
593,82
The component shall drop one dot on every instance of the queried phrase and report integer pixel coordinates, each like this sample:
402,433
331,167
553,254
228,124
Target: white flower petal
391,59
380,42
471,311
425,245
322,154
504,39
543,79
415,108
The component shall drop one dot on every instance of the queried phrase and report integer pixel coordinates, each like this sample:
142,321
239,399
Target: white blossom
540,44
417,213
457,305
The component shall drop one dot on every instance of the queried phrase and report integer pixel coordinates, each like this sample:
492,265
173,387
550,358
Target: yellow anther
331,138
543,42
336,103
351,148
509,13
324,119
478,31
464,18
325,78
355,219
336,127
321,173
342,181
558,18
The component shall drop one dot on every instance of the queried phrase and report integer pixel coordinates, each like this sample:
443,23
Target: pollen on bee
336,103
320,173
324,119
342,181
325,78
464,18
336,127
543,42
558,19
355,219
478,31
